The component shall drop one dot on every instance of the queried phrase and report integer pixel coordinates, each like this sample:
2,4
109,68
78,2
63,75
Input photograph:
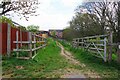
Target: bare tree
108,14
21,7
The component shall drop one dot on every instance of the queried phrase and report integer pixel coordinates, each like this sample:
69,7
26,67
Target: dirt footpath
75,73
72,73
69,56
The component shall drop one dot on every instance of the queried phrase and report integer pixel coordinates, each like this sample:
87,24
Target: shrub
4,19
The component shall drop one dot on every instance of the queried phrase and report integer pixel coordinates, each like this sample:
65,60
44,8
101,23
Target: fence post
40,39
21,37
30,44
118,52
75,43
105,49
8,40
82,43
34,43
110,40
17,45
78,43
1,38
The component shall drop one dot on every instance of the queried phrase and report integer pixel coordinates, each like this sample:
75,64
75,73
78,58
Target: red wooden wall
3,39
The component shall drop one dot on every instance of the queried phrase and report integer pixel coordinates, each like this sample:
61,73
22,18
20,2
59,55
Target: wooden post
110,41
17,45
40,39
78,43
21,37
118,52
1,38
30,44
105,49
82,43
9,40
34,43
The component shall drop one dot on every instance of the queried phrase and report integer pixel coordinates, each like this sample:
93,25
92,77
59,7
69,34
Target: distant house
56,33
44,34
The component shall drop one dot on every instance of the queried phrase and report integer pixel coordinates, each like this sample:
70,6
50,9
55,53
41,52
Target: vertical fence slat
17,45
82,43
34,43
78,43
21,37
30,44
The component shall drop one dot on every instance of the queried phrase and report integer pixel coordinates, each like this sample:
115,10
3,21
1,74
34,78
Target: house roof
56,30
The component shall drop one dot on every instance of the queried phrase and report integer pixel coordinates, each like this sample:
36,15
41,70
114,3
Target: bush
4,19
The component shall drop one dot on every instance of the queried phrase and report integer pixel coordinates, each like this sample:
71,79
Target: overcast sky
54,14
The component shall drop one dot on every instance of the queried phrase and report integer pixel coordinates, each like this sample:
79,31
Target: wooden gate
95,44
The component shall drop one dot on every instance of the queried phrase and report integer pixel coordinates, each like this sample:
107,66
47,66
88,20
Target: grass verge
47,64
105,70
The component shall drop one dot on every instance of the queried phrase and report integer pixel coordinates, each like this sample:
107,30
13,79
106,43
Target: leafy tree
85,25
33,28
22,28
21,7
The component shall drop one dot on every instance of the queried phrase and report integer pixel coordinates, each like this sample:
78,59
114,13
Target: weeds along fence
101,44
31,45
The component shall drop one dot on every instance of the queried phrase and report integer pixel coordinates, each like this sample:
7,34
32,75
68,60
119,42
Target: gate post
110,41
118,52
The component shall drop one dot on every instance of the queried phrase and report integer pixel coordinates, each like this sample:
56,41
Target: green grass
105,70
47,63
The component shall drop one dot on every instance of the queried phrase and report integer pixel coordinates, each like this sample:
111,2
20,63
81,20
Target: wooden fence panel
4,34
4,38
24,36
13,37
